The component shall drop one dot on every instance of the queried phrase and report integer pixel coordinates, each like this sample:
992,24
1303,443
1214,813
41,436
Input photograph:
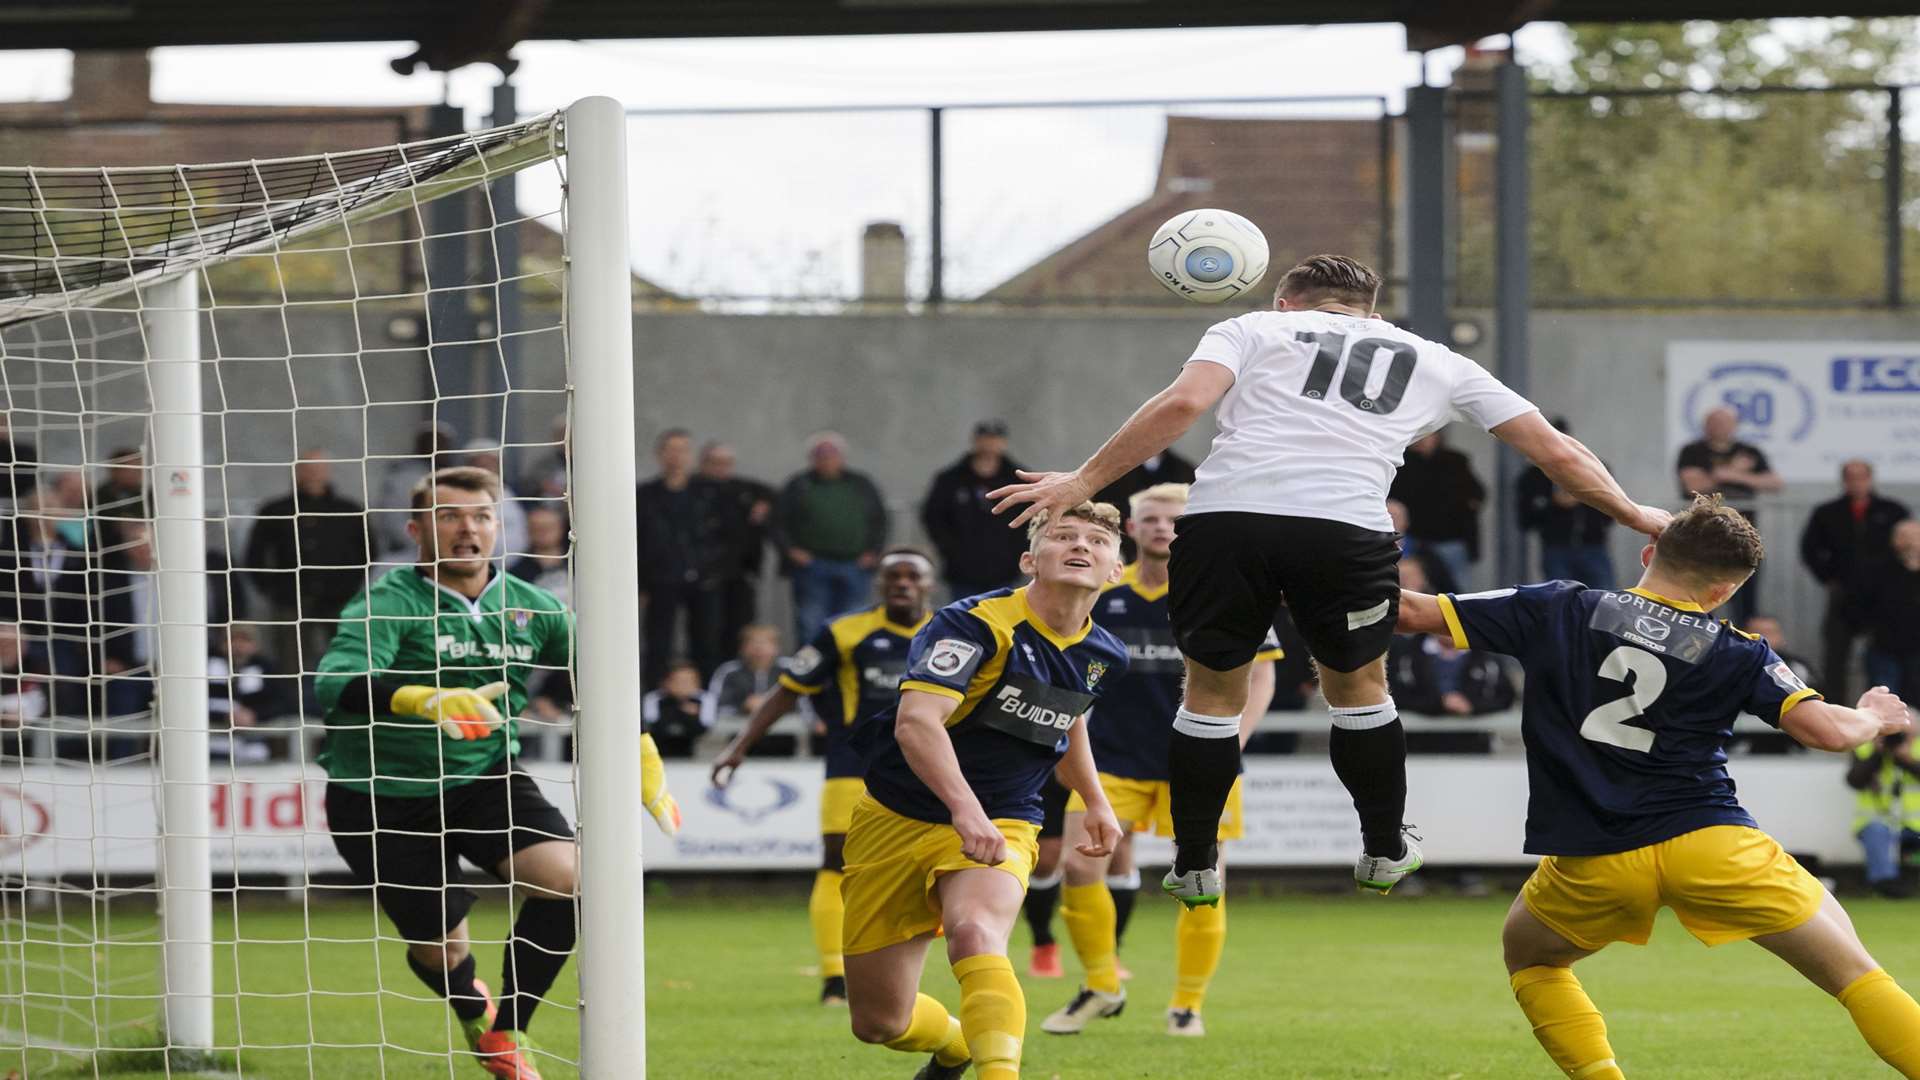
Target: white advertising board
271,819
1809,405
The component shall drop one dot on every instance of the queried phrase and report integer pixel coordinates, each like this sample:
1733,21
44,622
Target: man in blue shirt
1630,700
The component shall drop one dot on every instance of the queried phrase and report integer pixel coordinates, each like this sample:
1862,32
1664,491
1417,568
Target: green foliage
1702,194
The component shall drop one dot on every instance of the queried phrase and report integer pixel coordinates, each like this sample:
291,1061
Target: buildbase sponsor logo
24,820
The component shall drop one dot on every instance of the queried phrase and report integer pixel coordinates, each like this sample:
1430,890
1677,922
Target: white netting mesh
363,317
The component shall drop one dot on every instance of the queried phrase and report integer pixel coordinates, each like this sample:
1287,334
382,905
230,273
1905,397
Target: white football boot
1086,1007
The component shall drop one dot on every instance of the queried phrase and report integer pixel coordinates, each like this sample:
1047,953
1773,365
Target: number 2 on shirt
1607,724
1353,387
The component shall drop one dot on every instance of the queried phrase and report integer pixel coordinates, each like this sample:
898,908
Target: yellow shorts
1725,882
893,863
1146,804
836,802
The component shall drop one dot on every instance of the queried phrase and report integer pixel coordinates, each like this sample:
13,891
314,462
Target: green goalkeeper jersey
406,630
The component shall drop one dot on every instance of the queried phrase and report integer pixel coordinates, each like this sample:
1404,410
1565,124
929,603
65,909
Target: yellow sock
993,1013
1888,1017
933,1030
827,912
1566,1023
1093,924
1198,936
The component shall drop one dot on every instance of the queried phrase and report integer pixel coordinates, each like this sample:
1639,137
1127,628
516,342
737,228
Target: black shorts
410,849
1231,572
1053,808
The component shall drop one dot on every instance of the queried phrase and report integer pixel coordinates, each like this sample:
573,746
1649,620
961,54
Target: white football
1208,256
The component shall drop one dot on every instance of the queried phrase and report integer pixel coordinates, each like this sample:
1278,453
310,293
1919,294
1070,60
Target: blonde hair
1105,515
1173,493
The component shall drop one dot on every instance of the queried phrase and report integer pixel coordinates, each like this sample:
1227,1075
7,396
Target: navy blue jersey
852,668
1019,687
1132,730
1630,700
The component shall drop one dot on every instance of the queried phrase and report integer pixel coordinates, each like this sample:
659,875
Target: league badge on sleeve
950,656
804,661
1785,679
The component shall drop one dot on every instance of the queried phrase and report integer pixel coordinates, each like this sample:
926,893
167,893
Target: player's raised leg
978,909
1827,950
1368,748
887,1008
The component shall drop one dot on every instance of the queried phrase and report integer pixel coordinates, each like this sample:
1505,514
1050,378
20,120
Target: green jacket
1889,791
406,629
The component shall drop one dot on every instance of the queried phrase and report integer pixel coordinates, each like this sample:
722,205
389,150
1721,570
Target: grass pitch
1311,987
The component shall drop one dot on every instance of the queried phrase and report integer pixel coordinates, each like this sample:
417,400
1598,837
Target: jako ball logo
1771,404
751,802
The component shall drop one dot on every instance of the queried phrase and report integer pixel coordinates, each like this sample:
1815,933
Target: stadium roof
452,33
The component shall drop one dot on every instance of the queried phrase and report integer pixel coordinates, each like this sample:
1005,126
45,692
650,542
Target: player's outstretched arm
1821,725
1568,463
920,727
1152,428
776,705
1420,614
1077,772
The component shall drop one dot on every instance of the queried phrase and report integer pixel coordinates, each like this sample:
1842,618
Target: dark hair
1710,542
1330,277
457,477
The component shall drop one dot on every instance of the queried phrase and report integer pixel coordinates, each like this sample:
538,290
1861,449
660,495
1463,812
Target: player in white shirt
1317,402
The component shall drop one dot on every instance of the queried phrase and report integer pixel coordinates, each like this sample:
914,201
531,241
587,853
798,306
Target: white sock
1187,722
1364,717
1049,881
1128,880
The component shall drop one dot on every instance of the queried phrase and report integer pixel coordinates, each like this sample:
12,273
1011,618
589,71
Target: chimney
883,262
111,83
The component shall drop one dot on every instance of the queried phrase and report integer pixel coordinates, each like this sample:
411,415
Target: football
1208,256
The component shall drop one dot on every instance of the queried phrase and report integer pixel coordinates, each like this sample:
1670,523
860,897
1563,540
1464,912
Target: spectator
123,496
978,553
830,524
1433,570
129,594
1847,546
1772,741
1573,535
675,542
245,688
1443,500
1887,820
1893,649
17,460
673,713
308,555
1738,472
1430,677
45,563
23,692
545,563
741,684
485,454
745,509
432,447
1166,467
546,476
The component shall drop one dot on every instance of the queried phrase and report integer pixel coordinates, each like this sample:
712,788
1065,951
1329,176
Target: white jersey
1322,409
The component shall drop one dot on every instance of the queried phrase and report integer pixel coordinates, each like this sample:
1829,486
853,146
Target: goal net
220,388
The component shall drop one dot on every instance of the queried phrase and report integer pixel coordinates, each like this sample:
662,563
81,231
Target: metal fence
1018,205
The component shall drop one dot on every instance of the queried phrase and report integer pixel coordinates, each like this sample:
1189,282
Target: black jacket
1851,555
976,547
322,540
1892,611
1558,526
744,542
1442,497
678,533
1173,469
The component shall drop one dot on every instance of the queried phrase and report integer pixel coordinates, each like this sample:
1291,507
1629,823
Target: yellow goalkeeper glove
461,712
653,787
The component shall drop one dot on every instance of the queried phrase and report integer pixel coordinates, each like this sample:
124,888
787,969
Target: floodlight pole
177,480
603,474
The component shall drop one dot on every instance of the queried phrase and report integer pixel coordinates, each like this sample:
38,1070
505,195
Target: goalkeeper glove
462,712
653,787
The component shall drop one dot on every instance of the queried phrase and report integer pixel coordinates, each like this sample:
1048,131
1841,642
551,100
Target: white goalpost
218,385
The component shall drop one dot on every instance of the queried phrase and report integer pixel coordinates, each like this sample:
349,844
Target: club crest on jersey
521,619
950,655
1095,669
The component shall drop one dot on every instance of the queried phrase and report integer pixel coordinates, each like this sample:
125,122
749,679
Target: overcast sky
774,204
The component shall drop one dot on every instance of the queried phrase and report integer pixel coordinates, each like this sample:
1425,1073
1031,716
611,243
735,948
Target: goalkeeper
420,684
